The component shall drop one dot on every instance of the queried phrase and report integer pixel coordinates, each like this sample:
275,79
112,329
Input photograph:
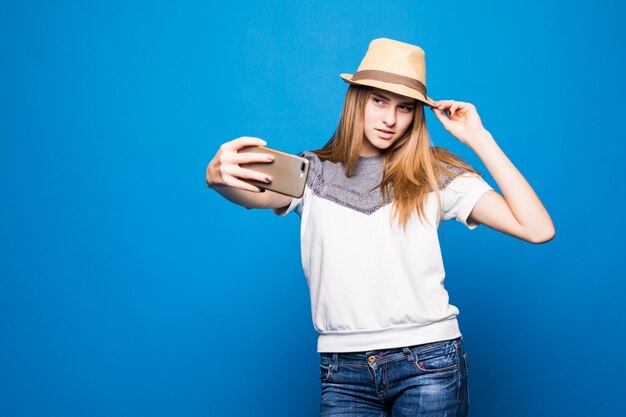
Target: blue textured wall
129,289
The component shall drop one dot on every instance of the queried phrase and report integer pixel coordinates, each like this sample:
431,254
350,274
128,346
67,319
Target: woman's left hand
460,119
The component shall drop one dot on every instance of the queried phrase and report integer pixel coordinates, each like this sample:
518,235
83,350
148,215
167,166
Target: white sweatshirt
372,286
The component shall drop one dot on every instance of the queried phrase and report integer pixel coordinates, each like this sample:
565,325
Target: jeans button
372,359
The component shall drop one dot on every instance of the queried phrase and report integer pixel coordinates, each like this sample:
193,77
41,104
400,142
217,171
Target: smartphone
288,172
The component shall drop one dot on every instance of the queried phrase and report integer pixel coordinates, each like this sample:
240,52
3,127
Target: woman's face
387,117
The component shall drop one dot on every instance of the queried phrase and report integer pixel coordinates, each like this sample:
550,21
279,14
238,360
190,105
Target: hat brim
394,88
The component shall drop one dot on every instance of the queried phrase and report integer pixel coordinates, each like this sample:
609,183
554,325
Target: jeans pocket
441,359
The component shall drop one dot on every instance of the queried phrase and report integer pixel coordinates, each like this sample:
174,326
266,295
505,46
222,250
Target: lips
385,134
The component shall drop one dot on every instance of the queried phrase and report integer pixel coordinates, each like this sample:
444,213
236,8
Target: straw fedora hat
393,66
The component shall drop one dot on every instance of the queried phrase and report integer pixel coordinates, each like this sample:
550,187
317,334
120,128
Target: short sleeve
461,195
297,204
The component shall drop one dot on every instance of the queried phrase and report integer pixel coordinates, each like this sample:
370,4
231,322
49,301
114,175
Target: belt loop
458,342
409,354
335,362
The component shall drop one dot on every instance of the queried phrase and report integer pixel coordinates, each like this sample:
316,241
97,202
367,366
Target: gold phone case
288,172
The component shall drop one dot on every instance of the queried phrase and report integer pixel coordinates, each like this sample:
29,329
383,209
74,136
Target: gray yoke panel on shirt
361,191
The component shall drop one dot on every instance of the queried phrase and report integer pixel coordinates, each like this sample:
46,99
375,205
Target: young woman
389,341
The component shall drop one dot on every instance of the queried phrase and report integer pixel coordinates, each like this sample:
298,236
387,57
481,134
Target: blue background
130,289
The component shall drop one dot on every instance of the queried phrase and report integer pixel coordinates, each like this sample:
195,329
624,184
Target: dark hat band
389,77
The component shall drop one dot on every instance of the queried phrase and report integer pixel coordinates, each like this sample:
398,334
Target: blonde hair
412,167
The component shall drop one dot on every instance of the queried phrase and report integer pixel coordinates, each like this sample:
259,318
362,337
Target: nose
389,116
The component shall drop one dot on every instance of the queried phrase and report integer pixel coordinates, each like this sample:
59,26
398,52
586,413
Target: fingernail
268,180
270,158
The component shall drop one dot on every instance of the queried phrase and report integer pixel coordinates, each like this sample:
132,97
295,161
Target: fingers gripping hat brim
394,87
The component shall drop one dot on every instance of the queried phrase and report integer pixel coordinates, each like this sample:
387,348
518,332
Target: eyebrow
406,103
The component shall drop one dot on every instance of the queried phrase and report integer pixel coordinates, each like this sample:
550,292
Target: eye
406,109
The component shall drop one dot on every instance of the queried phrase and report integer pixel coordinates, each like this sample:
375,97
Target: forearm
519,195
247,199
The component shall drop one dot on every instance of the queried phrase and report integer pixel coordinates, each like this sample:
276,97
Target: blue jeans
416,381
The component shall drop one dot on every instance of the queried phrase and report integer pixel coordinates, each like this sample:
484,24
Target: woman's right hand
225,169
